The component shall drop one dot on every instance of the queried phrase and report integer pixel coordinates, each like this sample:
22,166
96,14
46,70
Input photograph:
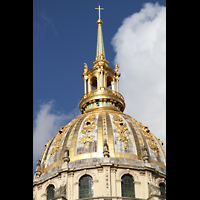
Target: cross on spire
99,10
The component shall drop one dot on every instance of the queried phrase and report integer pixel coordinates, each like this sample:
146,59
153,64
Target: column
117,80
105,80
113,85
85,85
89,86
101,79
98,86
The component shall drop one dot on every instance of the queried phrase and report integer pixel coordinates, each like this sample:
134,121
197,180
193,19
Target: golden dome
90,134
103,130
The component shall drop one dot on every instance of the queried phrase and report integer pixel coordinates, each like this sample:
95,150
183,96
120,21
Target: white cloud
46,125
47,22
140,46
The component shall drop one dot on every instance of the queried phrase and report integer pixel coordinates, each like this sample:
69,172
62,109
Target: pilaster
107,181
70,186
113,181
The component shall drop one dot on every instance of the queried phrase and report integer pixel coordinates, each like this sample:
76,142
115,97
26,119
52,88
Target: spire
101,83
100,45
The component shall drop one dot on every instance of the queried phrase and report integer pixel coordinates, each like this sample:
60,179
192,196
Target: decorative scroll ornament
88,126
121,129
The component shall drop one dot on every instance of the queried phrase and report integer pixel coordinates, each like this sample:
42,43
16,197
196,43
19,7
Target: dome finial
99,8
100,45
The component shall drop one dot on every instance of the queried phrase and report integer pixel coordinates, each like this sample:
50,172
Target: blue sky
64,38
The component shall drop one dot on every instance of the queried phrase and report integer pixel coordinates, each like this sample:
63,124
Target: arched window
127,186
50,192
162,190
94,82
109,80
85,187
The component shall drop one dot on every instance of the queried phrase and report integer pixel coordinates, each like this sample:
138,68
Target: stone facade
106,174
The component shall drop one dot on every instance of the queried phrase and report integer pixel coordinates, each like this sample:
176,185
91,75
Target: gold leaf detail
149,136
121,130
153,146
60,135
88,126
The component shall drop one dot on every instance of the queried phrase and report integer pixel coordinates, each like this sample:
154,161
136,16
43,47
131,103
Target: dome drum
102,99
98,163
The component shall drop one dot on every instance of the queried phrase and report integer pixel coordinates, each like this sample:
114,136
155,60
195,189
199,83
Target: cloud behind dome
140,46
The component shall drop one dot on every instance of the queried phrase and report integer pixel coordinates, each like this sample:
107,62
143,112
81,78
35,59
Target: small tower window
109,80
97,102
127,186
94,83
50,192
162,190
85,187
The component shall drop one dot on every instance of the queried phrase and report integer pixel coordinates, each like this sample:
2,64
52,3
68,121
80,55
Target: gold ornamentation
139,136
44,152
47,144
60,135
153,146
116,67
151,141
99,8
85,68
121,129
64,129
149,136
88,126
54,149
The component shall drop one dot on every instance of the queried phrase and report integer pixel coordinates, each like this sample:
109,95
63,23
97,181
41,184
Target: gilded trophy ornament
60,135
88,126
121,129
149,136
151,141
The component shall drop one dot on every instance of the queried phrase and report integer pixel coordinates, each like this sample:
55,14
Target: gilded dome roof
103,130
86,136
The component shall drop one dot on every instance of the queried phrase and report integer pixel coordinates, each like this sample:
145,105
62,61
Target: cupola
101,83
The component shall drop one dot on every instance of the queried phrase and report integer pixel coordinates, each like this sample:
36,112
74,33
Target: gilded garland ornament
122,130
88,126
